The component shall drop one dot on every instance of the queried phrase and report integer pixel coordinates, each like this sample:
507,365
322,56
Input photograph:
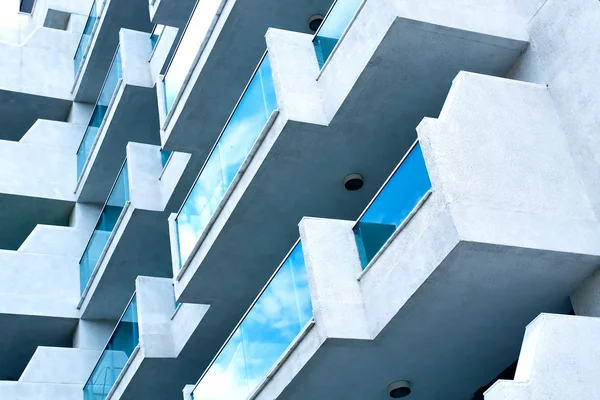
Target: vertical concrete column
295,70
155,306
135,48
333,266
144,168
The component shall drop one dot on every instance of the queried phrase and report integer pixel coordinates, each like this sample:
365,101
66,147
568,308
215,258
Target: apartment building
309,199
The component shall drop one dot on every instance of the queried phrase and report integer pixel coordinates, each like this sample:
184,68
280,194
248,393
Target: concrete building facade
312,199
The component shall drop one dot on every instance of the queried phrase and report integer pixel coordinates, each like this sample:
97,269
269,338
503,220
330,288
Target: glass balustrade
155,35
191,42
115,73
233,146
267,330
333,26
86,38
120,347
164,156
104,227
399,196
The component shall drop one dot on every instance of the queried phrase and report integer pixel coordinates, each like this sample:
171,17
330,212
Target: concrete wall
558,361
564,55
135,48
38,284
36,391
51,176
64,241
60,365
93,334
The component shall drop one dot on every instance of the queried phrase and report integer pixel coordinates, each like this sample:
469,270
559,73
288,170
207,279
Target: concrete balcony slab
113,15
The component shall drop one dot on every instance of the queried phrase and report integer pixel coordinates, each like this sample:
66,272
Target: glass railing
333,26
115,73
233,146
267,330
191,43
164,156
86,38
121,345
155,35
397,198
104,227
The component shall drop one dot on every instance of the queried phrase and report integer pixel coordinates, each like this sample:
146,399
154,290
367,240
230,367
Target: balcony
276,320
219,49
39,291
125,111
251,117
455,250
131,234
52,373
36,80
294,149
31,195
149,354
99,40
122,345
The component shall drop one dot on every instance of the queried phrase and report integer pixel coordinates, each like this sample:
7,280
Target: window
26,6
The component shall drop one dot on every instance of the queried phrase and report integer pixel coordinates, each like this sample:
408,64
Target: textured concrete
558,360
506,217
139,243
564,38
113,16
131,116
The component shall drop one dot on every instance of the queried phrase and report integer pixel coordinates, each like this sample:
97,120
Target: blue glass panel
191,41
397,199
233,146
89,137
277,317
86,37
333,27
164,156
121,345
104,227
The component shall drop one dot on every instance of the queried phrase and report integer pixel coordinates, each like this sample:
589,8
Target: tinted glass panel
123,341
233,146
277,317
86,37
393,204
104,227
89,137
333,26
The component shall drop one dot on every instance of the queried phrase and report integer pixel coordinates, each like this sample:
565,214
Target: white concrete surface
508,214
558,361
60,365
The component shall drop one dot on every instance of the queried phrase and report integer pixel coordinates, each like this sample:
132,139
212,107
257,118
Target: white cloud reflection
270,327
233,147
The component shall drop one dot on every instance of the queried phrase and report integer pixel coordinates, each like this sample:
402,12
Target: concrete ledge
552,365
